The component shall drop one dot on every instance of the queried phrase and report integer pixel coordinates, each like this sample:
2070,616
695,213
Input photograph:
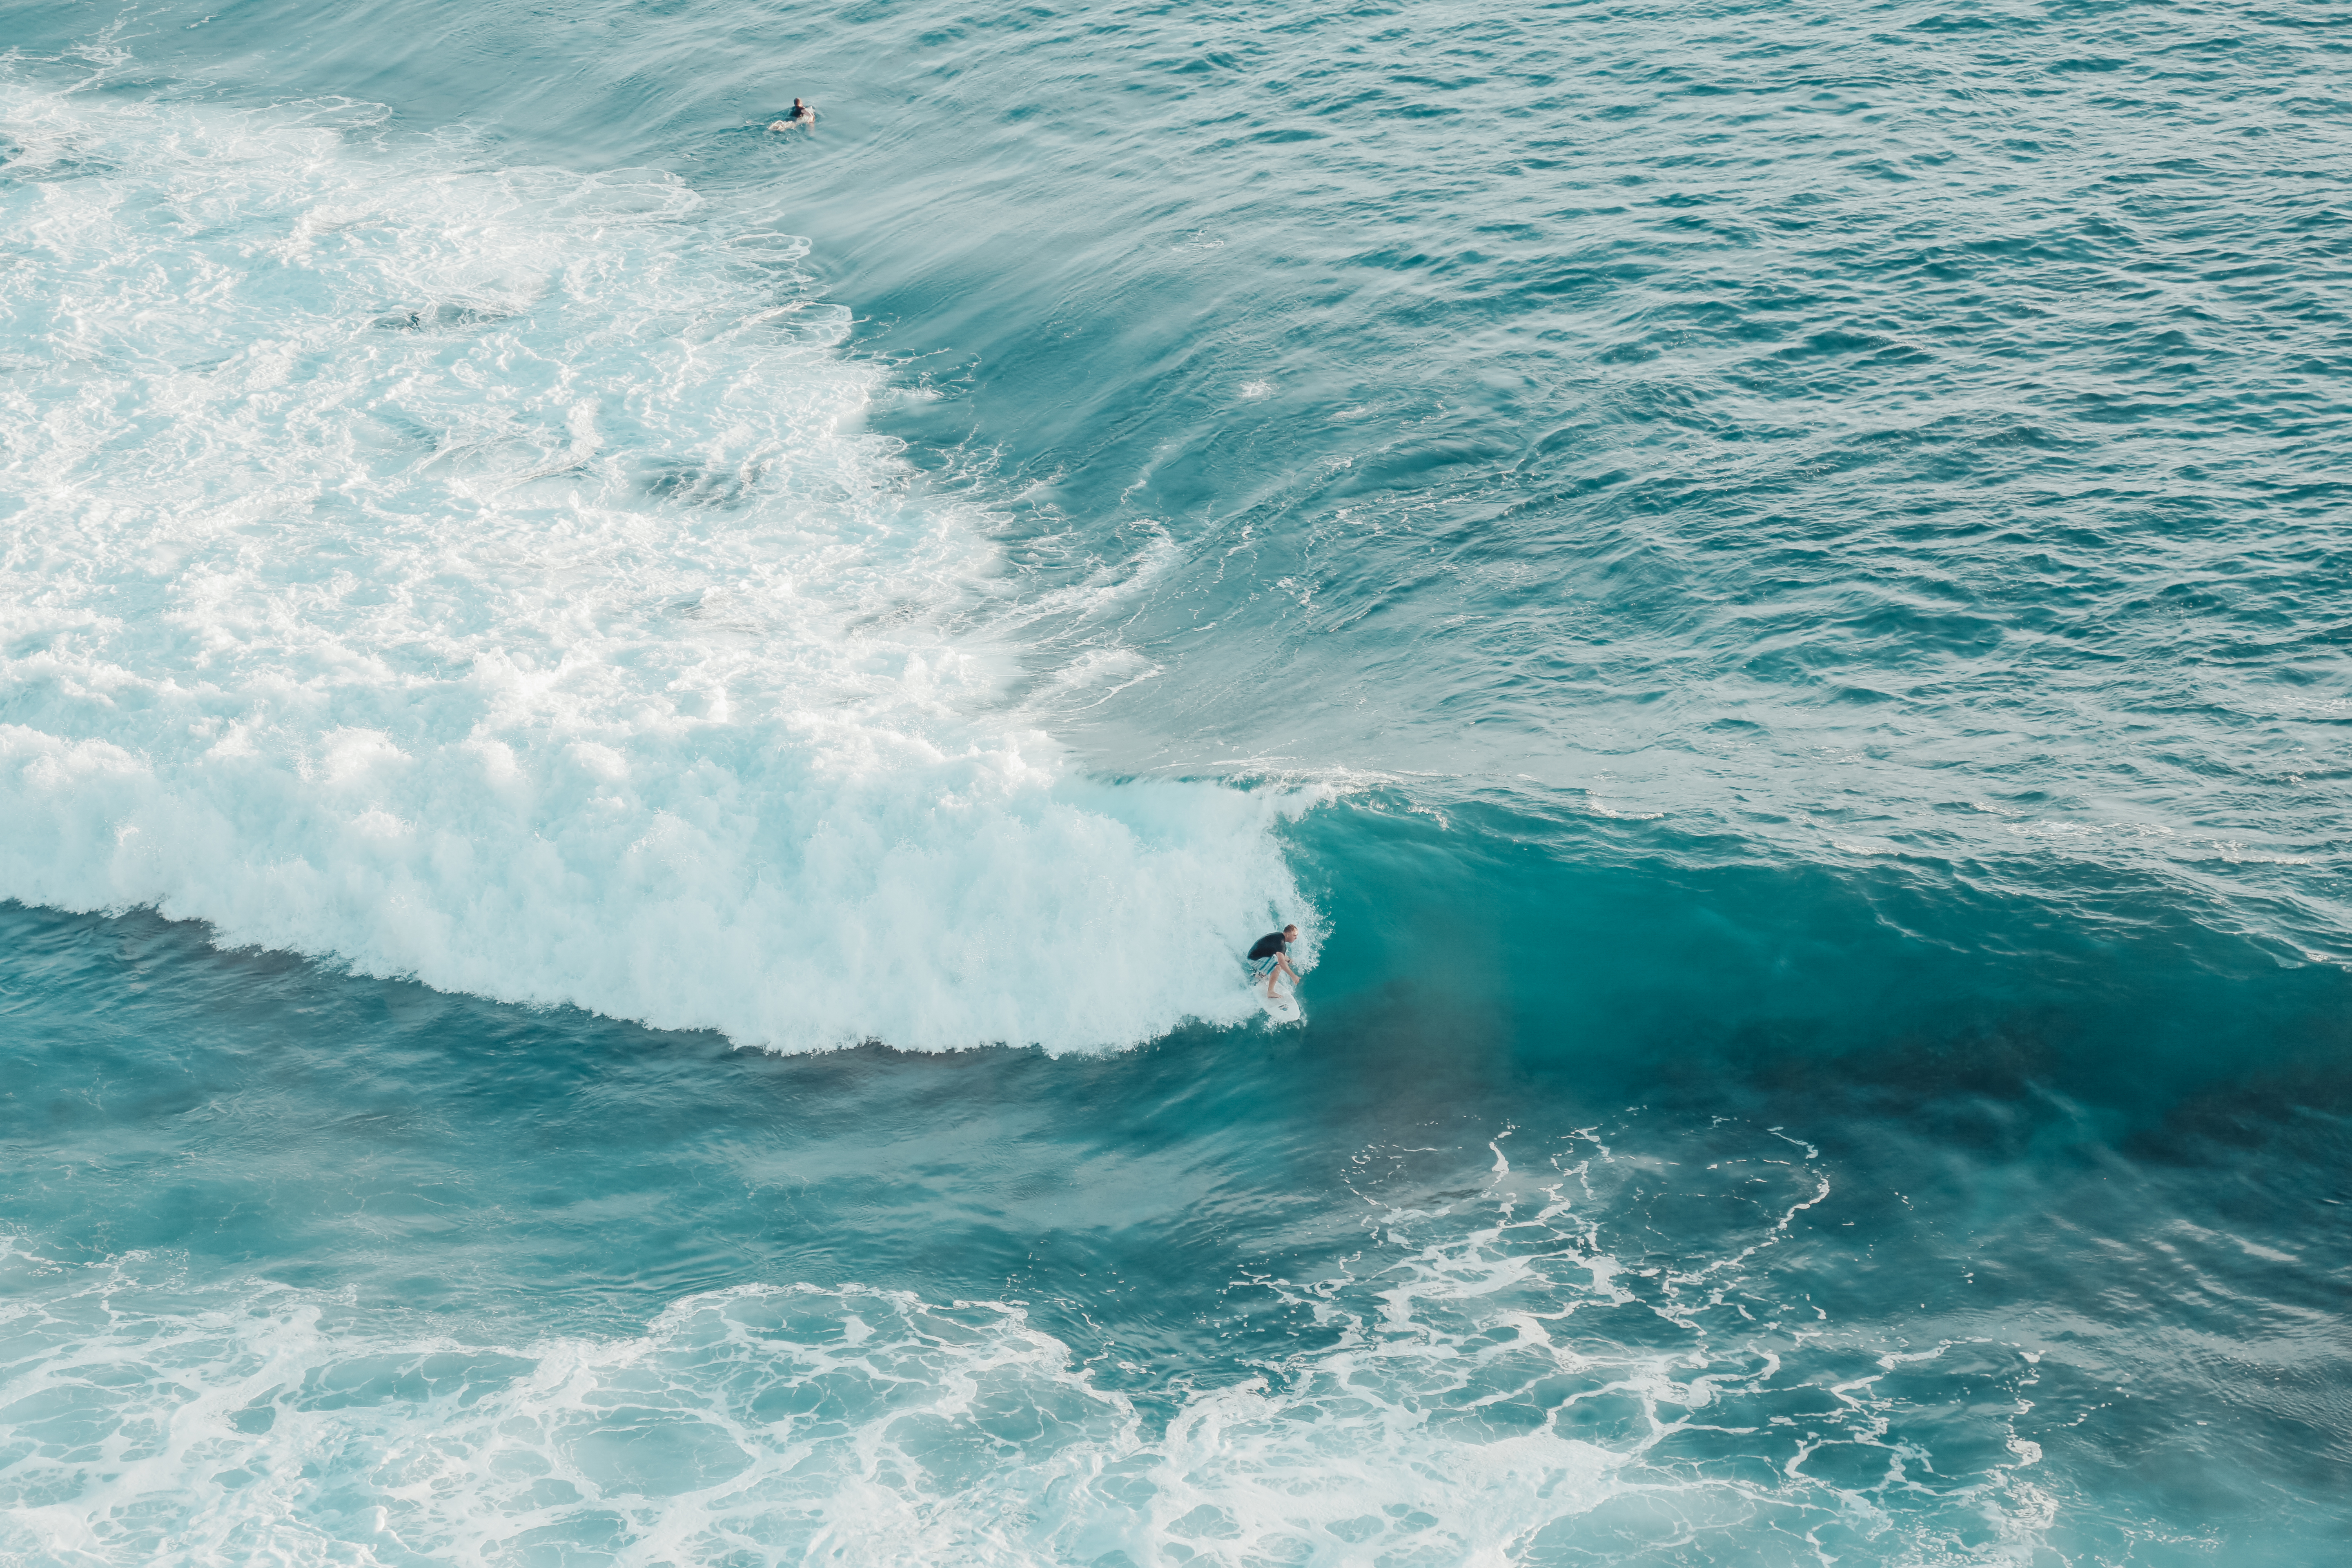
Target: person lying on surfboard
1268,959
803,114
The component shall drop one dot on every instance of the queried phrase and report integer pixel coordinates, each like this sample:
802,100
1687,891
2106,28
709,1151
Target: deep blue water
634,750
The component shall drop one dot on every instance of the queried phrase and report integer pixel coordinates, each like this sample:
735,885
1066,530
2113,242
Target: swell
1851,434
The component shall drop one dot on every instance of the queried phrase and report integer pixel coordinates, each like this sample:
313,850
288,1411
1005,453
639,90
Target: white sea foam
480,573
1451,1404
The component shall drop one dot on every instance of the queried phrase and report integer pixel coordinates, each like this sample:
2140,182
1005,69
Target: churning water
635,752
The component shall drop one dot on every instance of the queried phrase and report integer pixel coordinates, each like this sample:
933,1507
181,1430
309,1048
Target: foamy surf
481,574
1449,1403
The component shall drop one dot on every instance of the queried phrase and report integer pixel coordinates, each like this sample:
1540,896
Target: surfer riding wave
1269,957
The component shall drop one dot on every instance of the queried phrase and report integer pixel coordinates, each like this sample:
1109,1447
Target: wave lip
482,573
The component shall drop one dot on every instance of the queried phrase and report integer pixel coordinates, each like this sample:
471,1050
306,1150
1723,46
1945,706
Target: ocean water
635,752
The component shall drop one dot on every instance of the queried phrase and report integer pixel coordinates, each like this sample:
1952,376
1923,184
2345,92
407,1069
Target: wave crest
482,573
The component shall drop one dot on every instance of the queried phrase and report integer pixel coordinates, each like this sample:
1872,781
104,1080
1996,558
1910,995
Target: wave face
481,574
1767,578
305,1268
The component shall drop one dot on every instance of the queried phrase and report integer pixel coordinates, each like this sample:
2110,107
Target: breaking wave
482,573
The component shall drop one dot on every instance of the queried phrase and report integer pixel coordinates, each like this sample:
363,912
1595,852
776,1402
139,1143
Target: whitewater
636,754
484,574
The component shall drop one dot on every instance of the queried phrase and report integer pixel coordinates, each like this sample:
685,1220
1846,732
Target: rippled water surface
635,749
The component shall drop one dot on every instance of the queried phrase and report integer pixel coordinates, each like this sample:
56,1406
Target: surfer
1269,958
803,115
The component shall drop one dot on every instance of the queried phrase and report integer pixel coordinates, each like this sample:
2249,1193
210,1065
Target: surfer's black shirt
1269,944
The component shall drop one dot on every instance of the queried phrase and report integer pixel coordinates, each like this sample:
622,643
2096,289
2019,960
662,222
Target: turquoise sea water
636,751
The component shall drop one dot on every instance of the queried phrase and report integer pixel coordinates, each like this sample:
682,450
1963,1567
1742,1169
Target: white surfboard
1282,1008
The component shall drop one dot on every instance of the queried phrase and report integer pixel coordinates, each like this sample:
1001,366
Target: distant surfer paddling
1269,958
803,117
